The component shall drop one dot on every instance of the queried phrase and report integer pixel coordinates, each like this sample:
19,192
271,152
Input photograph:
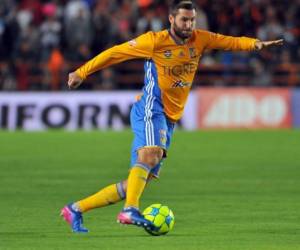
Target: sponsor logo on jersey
168,53
180,69
181,84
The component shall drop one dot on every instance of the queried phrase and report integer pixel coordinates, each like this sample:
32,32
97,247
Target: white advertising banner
244,108
74,110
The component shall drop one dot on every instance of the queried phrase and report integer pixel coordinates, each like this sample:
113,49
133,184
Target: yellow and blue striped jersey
169,67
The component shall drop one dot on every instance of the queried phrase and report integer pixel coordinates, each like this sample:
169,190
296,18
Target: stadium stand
41,41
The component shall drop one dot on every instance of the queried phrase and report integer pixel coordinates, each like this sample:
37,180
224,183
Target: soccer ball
162,218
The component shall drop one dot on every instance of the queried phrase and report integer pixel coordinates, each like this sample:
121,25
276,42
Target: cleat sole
127,219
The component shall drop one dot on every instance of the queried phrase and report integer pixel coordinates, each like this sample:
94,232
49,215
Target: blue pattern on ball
168,220
155,211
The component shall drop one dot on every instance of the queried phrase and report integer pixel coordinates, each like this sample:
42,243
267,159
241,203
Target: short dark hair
181,4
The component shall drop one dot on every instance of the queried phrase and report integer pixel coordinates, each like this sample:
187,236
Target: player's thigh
150,137
155,172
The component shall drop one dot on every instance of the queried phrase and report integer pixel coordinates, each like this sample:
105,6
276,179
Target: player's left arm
265,44
218,41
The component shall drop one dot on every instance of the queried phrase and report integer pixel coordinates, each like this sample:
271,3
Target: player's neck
178,40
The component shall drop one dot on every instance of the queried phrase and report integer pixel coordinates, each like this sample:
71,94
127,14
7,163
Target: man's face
183,23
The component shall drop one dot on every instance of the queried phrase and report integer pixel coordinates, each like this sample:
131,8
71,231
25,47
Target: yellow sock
106,196
136,182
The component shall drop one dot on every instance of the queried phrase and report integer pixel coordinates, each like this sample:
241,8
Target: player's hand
74,80
264,44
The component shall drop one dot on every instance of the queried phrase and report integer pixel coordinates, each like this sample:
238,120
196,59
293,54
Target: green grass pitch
229,190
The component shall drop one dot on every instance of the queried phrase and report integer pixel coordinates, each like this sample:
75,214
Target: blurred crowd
41,41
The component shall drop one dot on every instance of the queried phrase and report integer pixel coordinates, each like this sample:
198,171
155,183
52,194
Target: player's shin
106,196
137,180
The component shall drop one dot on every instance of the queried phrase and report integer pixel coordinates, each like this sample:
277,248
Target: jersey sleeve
141,47
218,41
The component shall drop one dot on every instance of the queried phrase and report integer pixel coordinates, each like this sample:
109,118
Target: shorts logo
163,136
168,53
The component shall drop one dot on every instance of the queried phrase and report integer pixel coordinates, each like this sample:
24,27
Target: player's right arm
141,47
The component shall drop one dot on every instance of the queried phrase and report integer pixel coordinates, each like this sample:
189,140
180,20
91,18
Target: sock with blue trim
106,196
136,183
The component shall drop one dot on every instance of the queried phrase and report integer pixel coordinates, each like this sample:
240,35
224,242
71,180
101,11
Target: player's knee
150,156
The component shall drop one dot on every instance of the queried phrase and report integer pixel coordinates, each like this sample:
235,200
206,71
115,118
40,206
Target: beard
182,33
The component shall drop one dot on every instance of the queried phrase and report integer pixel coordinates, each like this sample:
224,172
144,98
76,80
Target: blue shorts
155,130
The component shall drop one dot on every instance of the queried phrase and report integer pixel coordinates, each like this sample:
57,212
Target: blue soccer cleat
74,218
132,216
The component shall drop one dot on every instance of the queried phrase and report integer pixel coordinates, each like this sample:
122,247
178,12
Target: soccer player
171,60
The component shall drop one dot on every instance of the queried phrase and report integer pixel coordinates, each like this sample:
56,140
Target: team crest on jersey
192,52
181,54
168,53
163,136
